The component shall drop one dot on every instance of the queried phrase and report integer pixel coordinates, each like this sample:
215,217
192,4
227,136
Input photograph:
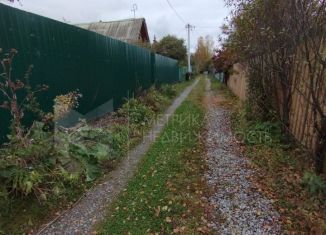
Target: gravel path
93,207
240,208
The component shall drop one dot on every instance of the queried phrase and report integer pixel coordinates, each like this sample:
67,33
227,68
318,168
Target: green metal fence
182,73
166,70
67,58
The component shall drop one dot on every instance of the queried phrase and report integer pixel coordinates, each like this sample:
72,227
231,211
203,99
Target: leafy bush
137,112
25,168
267,133
4,197
120,138
256,132
50,162
168,91
314,183
155,100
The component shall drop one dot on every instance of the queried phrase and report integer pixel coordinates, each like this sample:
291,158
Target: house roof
129,30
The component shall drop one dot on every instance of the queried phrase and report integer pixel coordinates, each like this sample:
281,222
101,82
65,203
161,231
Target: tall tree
204,53
172,47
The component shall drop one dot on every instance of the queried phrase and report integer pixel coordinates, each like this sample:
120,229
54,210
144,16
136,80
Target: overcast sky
206,15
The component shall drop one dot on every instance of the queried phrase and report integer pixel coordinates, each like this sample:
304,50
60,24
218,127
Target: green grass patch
165,194
219,88
216,85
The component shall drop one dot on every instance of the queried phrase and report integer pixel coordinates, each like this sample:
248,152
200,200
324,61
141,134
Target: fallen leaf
157,211
168,220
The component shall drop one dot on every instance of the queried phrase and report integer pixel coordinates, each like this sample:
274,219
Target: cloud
206,15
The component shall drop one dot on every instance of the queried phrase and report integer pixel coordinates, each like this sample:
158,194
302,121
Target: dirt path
240,208
93,207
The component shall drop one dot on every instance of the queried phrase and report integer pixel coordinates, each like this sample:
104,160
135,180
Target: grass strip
166,196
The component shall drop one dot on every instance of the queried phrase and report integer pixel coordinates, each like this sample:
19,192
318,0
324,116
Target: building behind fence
67,58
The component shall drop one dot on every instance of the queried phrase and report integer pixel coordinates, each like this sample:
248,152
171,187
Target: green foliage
121,136
4,198
52,166
172,47
24,168
256,132
216,85
315,184
48,160
267,133
51,160
155,99
168,91
137,112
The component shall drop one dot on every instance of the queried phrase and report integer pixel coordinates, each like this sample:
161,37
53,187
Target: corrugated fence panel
166,70
182,73
67,58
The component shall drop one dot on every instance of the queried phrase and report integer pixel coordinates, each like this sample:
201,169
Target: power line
207,27
189,28
175,11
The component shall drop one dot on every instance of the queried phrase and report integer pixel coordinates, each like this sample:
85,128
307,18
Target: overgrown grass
165,196
285,170
216,85
54,178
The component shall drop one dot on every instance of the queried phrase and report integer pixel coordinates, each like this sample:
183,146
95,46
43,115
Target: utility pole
134,9
189,28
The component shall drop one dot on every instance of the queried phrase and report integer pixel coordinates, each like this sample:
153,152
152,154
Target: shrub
50,163
17,95
137,112
120,138
314,183
267,133
155,100
25,168
256,132
168,90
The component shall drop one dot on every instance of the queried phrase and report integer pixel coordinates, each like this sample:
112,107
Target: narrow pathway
240,208
92,208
